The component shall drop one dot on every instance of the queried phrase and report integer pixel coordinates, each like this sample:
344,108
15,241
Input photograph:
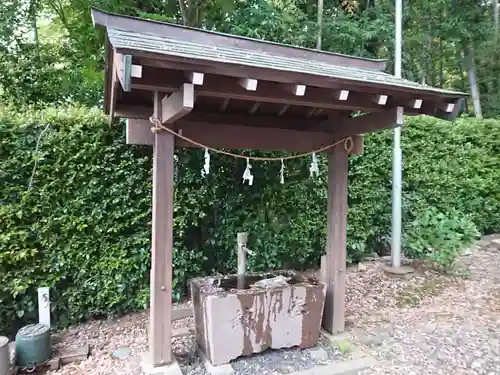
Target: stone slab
403,270
334,338
75,355
54,363
172,368
351,367
225,369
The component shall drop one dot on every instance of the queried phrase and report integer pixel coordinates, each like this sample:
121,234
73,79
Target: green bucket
33,345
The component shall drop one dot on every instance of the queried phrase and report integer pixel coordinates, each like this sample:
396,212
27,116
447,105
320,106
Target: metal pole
241,241
397,156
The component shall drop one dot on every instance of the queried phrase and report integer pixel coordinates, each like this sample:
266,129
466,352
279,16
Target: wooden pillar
161,266
335,260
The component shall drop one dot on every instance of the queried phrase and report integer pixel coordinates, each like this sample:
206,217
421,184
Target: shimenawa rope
157,125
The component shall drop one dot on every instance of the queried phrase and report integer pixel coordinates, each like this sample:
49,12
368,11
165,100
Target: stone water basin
232,322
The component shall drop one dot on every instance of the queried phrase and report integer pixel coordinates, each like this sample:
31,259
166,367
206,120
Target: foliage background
83,227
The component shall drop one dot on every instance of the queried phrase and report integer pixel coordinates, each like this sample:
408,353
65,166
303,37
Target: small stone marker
121,353
361,267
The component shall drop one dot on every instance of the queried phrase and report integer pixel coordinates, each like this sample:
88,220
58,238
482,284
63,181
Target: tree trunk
494,3
319,24
474,88
463,87
34,26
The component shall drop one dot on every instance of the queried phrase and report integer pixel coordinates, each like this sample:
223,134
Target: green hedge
83,227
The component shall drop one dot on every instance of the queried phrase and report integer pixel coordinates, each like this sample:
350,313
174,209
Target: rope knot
157,126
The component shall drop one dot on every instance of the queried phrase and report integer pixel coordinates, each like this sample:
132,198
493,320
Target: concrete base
172,368
400,271
226,369
352,367
343,343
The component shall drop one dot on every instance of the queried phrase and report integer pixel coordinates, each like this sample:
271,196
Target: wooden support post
161,266
333,315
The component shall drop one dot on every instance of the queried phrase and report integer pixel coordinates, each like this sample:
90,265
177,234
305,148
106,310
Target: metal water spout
242,251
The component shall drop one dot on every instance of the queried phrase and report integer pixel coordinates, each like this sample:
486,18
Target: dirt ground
422,323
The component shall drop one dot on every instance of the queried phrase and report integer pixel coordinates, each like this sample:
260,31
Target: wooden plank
123,67
245,137
368,123
178,104
139,133
162,244
333,315
339,126
113,96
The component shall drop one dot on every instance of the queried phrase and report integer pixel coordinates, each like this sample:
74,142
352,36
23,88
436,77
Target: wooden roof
253,82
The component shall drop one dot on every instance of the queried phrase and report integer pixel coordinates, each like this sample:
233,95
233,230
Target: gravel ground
423,323
454,330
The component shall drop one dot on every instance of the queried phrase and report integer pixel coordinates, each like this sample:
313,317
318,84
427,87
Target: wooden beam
443,110
248,84
254,108
139,133
283,109
178,104
126,70
113,96
334,310
195,78
339,126
162,80
447,107
416,103
162,245
380,99
368,123
341,94
311,112
136,71
224,105
298,90
358,145
237,136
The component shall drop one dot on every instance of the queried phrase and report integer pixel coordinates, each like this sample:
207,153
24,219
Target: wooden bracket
177,104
